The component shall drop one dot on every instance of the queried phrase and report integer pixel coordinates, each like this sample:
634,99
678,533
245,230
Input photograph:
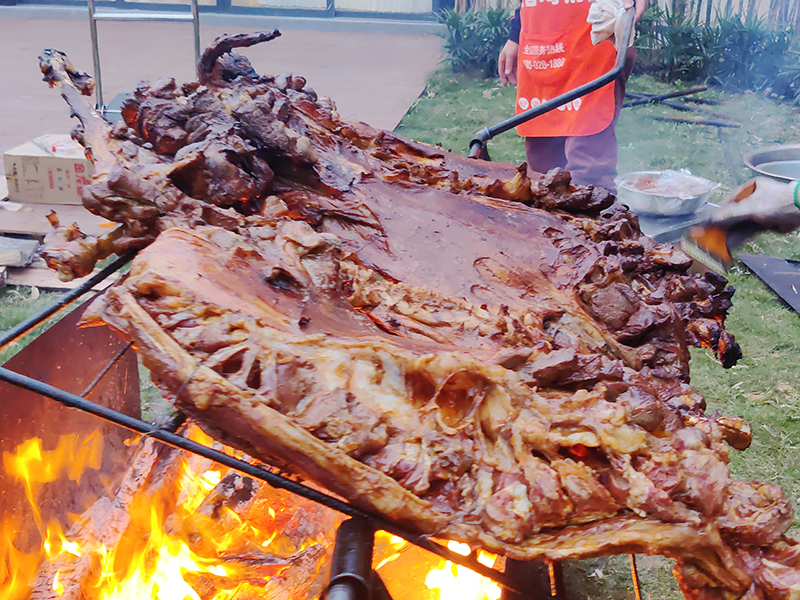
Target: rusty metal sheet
70,358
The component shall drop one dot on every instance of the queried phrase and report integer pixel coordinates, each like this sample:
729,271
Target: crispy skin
445,342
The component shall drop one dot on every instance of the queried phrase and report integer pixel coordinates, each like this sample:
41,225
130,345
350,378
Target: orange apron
556,55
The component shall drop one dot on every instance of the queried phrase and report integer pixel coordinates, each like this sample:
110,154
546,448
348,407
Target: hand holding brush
760,204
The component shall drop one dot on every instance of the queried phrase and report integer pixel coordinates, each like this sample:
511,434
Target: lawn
453,107
16,305
765,386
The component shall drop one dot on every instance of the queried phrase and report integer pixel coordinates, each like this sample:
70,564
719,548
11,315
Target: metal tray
778,162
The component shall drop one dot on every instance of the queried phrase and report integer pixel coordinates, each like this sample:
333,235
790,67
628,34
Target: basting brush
711,244
708,245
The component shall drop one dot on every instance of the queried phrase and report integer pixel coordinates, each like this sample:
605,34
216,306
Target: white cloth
605,17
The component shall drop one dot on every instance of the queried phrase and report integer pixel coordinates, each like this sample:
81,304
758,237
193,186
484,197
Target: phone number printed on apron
525,104
543,50
541,65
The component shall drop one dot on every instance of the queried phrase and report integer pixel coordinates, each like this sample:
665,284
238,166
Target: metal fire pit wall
108,370
70,358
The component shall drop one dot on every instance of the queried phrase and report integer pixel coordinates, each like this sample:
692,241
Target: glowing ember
189,528
187,533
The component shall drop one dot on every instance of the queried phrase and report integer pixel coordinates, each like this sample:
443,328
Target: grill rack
352,576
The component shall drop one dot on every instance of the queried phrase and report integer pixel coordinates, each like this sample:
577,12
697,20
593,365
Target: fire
34,466
169,541
17,568
455,582
158,570
188,534
442,577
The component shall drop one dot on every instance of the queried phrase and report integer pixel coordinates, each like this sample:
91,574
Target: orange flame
34,466
173,547
455,582
168,549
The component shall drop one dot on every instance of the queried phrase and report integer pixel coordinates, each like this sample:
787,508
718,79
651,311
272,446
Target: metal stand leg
379,591
98,79
351,571
95,16
637,588
542,579
557,588
196,29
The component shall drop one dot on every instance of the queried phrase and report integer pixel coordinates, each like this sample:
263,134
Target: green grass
646,143
454,107
765,386
20,303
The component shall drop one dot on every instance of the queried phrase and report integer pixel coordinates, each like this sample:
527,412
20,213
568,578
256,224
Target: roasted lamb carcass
467,352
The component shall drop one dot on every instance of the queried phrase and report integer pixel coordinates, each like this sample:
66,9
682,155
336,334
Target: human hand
507,63
641,7
618,29
608,21
769,203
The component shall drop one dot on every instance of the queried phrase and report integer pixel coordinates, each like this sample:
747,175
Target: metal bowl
687,195
778,162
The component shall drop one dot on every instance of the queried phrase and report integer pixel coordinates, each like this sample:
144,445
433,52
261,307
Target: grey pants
591,159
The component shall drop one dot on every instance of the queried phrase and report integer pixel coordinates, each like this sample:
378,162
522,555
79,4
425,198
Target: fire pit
193,524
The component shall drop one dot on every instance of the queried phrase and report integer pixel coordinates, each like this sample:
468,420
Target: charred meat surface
443,341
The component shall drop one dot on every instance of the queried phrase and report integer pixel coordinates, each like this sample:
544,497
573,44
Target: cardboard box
51,169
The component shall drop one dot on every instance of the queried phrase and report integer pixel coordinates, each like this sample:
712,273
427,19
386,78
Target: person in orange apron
550,52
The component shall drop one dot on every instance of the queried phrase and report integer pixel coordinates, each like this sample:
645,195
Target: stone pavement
372,77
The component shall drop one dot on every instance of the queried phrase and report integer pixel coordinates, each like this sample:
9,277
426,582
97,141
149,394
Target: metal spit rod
378,589
273,479
167,436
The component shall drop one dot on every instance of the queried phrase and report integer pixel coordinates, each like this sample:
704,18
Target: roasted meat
471,353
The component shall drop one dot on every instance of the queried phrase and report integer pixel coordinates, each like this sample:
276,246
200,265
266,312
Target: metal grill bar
273,479
15,333
106,369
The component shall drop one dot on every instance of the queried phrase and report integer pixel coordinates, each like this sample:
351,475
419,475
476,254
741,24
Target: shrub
730,51
787,82
474,39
